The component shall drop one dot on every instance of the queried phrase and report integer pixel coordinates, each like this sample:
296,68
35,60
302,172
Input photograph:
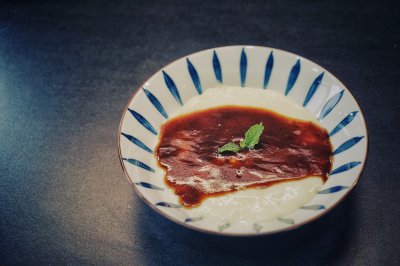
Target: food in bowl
287,85
207,162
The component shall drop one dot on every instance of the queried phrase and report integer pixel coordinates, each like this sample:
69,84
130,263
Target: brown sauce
289,149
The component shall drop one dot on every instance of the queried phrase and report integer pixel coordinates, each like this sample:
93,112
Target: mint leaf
233,147
252,136
242,144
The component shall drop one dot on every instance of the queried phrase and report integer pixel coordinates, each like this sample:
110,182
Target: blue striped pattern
172,87
348,144
224,226
332,190
193,219
313,89
345,167
140,164
143,121
153,99
217,67
268,69
313,207
343,123
137,142
287,221
195,76
293,75
148,185
330,104
168,205
257,227
243,68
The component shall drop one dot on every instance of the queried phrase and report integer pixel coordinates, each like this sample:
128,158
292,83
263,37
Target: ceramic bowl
307,83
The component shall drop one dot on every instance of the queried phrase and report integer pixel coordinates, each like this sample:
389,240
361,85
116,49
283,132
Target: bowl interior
307,83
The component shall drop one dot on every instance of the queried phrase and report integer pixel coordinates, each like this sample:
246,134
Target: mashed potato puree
254,204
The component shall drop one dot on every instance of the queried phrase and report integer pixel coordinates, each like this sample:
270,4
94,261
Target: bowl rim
224,233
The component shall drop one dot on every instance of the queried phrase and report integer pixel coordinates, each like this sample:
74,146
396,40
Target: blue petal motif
268,69
193,219
294,73
140,164
343,123
287,220
243,67
172,87
156,103
217,67
330,104
257,227
168,205
137,142
332,190
223,226
195,76
148,185
345,167
143,121
313,207
313,89
347,145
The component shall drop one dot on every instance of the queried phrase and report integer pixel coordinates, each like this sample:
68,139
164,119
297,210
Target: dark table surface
68,69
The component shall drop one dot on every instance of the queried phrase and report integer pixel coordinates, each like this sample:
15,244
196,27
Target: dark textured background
68,69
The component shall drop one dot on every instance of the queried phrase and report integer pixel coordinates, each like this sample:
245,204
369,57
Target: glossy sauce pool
289,149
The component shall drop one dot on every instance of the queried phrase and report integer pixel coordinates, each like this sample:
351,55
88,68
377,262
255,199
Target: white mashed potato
254,204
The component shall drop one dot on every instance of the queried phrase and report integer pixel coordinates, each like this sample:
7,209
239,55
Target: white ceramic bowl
307,83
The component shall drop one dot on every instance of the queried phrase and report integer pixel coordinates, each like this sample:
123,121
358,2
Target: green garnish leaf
231,146
242,144
252,136
251,139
